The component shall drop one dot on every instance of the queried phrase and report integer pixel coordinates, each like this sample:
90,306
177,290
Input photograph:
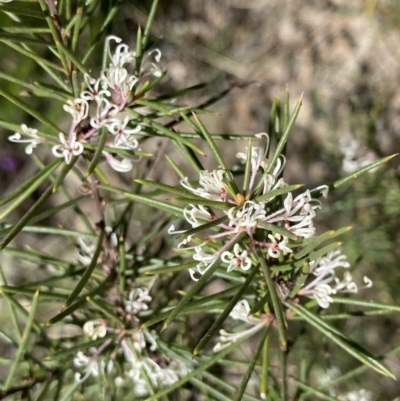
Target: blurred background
344,57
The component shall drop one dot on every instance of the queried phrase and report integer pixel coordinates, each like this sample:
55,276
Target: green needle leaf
252,364
282,142
205,202
276,303
24,341
166,188
206,226
10,37
99,150
174,210
150,20
314,392
28,216
348,345
163,131
276,192
192,291
216,153
122,264
88,273
248,169
33,112
315,242
31,184
222,317
278,230
360,171
27,11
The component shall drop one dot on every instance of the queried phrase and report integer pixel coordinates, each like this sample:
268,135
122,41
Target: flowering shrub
128,314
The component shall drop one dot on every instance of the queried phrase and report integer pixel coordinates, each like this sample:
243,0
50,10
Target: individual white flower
246,216
322,189
121,55
78,108
212,186
95,329
112,236
226,338
270,183
303,228
299,208
86,251
91,365
278,245
196,215
123,138
123,166
93,90
137,300
205,260
346,284
322,294
105,110
33,139
238,258
150,63
67,149
368,282
241,311
120,81
257,157
328,263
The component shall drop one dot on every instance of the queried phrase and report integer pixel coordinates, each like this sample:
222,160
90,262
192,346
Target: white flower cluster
326,282
110,94
247,214
140,369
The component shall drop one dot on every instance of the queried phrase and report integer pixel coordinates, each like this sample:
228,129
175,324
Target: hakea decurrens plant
102,105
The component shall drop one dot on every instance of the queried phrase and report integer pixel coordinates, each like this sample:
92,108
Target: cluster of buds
136,350
102,105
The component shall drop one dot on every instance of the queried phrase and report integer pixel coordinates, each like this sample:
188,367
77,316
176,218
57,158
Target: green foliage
88,317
